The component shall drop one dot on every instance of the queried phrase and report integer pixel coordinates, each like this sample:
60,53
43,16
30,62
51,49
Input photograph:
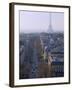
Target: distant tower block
50,29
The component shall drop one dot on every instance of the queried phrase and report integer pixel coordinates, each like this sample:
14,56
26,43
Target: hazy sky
31,21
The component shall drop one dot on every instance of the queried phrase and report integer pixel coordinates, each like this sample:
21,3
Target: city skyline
37,22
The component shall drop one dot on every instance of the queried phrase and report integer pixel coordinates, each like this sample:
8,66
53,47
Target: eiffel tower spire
50,30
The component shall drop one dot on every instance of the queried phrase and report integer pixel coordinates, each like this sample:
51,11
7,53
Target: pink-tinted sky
31,22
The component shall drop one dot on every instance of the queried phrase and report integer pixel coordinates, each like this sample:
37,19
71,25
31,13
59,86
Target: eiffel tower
50,29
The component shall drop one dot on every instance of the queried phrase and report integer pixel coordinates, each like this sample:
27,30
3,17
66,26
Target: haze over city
36,22
41,45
